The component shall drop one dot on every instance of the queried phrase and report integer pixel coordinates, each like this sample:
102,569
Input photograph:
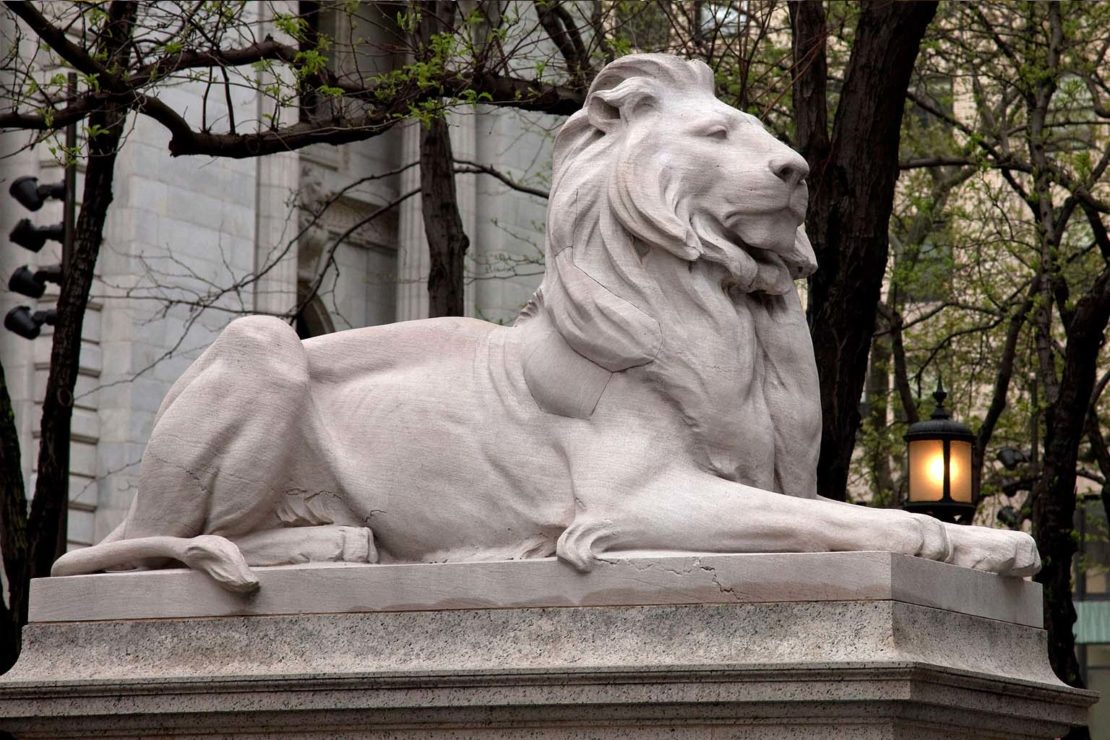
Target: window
319,26
644,26
923,272
726,19
937,91
1070,122
313,320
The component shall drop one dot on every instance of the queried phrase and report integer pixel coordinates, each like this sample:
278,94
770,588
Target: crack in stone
645,566
642,566
184,469
729,590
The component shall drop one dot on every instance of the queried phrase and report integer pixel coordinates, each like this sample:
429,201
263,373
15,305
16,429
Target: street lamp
939,453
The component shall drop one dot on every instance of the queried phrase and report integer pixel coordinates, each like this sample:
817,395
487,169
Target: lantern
939,452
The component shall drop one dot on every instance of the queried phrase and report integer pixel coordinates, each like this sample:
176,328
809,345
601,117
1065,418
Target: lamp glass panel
959,470
926,470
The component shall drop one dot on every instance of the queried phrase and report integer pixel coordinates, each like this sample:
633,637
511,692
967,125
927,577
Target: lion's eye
717,132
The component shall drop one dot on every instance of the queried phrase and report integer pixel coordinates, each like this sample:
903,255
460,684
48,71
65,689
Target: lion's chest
748,391
737,430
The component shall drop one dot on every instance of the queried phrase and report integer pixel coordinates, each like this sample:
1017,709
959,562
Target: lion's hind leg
320,544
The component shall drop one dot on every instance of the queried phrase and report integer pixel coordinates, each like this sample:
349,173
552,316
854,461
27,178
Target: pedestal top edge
627,579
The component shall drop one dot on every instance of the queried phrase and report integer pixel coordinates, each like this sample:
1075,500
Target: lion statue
658,393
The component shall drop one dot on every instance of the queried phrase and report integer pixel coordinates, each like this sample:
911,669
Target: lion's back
401,381
422,419
433,343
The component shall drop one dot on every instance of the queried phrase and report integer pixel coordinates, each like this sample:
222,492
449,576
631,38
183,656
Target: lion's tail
217,556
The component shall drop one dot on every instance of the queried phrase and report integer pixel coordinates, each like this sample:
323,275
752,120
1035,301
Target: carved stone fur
658,393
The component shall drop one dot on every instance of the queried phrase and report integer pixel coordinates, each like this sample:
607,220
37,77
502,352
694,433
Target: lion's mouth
797,268
778,242
764,257
775,273
753,269
792,212
760,255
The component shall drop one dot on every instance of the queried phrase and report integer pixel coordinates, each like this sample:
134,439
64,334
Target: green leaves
294,26
92,131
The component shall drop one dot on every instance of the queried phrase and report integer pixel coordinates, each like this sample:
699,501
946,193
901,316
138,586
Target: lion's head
655,161
683,171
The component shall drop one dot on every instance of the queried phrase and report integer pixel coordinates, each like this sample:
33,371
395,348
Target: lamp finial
939,395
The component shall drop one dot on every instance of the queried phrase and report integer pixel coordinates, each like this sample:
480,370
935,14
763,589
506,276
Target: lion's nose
790,168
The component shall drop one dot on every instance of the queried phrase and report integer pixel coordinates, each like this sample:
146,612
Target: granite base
860,645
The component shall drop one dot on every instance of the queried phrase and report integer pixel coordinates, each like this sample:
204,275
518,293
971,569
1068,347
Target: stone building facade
193,242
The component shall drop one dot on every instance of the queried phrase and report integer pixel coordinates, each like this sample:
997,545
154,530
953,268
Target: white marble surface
659,391
617,581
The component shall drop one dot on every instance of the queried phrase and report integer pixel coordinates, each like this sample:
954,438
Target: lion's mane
606,293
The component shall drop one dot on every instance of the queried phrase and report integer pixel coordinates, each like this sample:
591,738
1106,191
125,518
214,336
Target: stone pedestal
856,645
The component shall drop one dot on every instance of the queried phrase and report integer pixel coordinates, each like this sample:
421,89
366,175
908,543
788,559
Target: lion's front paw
1027,560
995,550
579,543
935,544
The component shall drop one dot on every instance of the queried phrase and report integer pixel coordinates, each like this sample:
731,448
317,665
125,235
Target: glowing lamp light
939,453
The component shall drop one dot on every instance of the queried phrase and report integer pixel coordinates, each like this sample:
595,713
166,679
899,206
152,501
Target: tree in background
853,169
1001,270
29,542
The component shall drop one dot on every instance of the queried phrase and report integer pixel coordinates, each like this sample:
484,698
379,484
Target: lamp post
939,453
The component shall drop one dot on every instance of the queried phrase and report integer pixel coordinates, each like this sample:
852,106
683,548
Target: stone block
860,645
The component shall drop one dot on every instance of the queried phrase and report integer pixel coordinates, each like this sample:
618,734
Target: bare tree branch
464,166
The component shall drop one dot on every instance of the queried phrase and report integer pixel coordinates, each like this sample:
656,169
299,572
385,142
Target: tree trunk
1069,394
31,543
13,533
853,173
52,485
1054,492
878,394
443,226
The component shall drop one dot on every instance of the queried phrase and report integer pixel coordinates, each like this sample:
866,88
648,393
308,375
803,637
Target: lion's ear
607,109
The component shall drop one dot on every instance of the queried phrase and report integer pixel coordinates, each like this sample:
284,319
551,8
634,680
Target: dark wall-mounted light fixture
26,323
31,195
33,284
32,237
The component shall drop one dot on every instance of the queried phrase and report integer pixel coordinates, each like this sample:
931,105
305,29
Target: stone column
412,247
275,257
464,130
